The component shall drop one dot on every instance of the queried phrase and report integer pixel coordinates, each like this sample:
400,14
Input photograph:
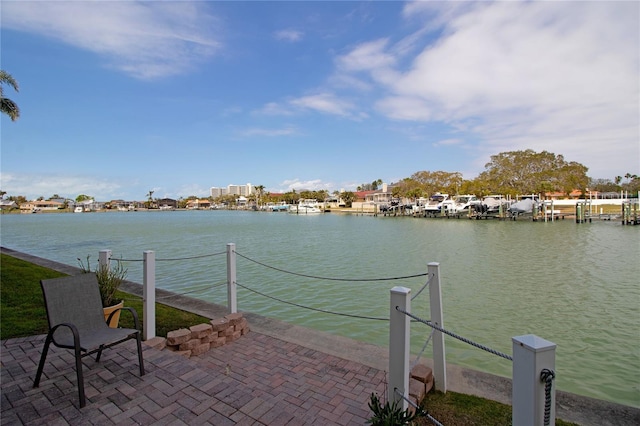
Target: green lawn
22,311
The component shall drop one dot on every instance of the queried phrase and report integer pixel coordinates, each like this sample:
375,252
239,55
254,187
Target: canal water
576,285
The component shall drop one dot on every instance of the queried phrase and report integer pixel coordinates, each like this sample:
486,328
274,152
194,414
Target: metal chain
456,336
329,278
547,377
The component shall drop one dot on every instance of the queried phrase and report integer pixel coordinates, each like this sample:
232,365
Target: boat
306,206
460,203
493,204
273,207
435,202
525,206
78,209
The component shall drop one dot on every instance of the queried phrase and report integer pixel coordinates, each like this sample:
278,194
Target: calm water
576,285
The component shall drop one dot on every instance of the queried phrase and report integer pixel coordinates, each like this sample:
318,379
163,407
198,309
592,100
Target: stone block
234,318
200,349
245,330
220,341
234,336
157,342
209,338
229,332
178,337
417,390
219,324
189,345
422,373
200,330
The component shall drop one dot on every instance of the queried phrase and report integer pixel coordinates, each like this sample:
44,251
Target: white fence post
399,342
435,296
104,258
232,301
531,355
149,295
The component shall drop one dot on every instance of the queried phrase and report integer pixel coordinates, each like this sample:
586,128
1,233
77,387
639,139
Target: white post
439,360
399,340
531,355
104,258
232,300
149,295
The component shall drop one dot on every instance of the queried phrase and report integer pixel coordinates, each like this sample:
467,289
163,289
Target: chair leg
140,360
99,354
43,357
79,374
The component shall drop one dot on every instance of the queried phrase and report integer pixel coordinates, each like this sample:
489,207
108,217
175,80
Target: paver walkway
255,380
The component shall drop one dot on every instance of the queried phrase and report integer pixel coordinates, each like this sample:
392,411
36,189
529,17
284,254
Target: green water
576,285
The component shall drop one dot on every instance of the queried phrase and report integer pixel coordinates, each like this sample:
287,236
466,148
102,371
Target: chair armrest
74,331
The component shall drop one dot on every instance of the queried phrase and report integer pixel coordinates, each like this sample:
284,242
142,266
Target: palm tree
8,106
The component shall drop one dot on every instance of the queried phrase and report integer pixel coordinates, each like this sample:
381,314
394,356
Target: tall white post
435,300
399,342
149,295
532,355
232,300
104,258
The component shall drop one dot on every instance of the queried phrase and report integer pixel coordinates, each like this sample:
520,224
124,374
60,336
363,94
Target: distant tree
348,197
83,197
7,105
526,172
259,193
2,194
439,181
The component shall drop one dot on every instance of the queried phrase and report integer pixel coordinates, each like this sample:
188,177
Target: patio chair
76,321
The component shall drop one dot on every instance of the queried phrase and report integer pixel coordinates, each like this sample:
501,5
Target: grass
22,305
456,409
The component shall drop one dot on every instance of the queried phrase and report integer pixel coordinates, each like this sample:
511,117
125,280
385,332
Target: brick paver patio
256,380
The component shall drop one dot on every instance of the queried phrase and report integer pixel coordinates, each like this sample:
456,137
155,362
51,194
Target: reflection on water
573,284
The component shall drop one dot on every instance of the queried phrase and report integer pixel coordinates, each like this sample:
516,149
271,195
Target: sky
121,98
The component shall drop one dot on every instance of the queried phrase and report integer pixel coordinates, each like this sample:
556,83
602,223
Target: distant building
244,190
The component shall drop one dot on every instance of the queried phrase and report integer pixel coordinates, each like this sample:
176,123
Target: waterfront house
41,205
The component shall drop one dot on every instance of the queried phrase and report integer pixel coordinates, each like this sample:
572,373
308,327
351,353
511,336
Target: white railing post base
531,355
149,295
399,341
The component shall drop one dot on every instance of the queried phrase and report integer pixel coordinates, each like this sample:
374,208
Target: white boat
460,203
435,202
492,204
306,206
78,209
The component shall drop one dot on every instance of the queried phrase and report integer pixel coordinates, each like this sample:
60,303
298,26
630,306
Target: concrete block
189,345
200,330
219,324
422,373
157,342
200,349
178,337
234,318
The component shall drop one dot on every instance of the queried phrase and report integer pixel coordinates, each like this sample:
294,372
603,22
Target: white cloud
288,35
143,39
304,185
326,103
560,76
285,131
33,186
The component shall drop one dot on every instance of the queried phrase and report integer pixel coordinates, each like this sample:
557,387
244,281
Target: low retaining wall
200,338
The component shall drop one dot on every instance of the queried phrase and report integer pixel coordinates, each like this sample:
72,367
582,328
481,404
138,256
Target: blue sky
120,98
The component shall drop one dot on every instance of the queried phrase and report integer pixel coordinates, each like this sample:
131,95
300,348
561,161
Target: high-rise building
245,190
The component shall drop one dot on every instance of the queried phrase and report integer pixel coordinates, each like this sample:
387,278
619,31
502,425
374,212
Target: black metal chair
76,321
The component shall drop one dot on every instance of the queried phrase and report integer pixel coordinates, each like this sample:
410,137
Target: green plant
389,414
109,280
